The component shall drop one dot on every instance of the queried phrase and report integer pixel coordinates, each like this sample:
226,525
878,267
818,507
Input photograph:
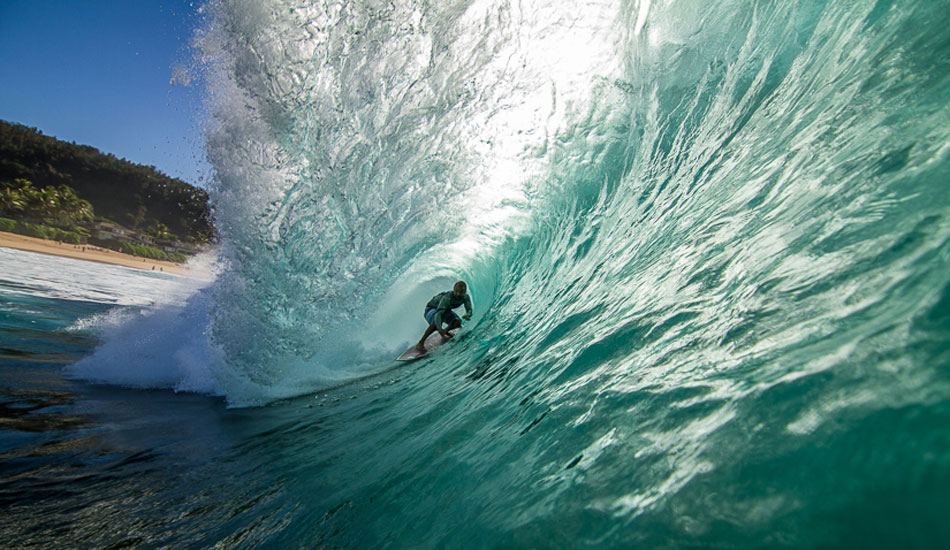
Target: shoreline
90,253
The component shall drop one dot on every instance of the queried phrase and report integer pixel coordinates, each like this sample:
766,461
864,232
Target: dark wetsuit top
445,301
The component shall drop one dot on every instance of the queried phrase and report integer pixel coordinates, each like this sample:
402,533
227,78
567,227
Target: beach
90,253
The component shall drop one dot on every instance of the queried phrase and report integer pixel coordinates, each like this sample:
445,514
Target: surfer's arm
468,308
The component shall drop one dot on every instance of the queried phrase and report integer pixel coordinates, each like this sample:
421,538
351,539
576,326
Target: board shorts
448,317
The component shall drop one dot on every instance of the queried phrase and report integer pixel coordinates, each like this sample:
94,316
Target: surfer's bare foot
420,348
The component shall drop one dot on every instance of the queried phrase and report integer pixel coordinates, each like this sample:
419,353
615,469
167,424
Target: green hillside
135,196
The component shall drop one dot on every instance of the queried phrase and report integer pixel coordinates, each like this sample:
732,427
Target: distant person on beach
439,310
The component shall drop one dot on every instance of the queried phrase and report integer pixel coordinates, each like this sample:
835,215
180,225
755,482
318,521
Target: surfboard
432,342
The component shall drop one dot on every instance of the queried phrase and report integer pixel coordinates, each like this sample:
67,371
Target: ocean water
708,245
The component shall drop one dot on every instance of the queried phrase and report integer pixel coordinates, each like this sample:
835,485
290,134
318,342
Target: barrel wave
708,246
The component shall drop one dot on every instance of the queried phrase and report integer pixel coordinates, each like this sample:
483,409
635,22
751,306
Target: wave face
708,245
635,191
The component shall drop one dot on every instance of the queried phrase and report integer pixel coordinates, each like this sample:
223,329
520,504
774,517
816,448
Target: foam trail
163,346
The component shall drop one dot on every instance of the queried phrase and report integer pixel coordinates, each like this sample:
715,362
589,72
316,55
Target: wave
644,195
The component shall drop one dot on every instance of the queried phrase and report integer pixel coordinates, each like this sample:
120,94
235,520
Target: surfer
439,310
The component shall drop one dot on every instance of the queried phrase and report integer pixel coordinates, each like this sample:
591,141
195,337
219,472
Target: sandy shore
91,253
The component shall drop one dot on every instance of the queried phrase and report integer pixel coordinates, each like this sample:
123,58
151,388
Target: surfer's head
459,289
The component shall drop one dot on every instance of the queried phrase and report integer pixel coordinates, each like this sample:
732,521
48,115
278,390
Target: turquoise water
708,246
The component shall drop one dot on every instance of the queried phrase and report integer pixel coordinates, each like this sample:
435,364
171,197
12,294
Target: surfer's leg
452,320
430,318
421,346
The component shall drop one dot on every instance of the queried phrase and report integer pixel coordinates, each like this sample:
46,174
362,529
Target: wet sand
90,253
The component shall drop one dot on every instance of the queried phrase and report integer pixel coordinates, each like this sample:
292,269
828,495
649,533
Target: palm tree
45,204
18,196
84,211
71,209
12,200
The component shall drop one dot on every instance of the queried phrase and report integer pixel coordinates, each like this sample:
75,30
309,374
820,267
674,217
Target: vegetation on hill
61,184
41,231
56,206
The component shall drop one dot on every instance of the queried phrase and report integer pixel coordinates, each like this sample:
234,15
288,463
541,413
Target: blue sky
98,72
